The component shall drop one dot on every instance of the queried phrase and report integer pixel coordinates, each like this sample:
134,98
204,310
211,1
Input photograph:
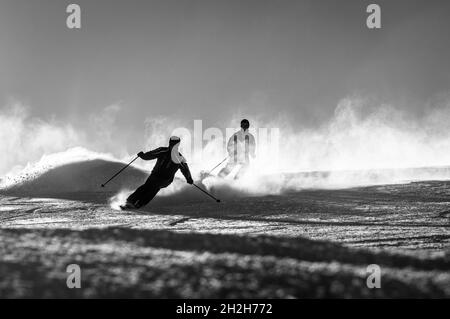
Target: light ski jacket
240,146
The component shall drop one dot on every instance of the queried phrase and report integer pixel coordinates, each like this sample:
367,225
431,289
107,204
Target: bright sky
207,59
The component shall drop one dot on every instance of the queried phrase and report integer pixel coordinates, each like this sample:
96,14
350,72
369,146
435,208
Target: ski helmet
174,140
245,124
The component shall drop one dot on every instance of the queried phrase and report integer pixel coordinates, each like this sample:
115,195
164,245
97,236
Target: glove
190,181
140,154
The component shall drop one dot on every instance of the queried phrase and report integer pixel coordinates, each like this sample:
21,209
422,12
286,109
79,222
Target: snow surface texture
296,235
315,243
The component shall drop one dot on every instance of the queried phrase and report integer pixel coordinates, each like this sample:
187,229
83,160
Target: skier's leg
141,190
150,193
226,170
242,170
152,187
137,194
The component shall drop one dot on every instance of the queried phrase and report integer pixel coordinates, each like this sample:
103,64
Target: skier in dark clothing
169,160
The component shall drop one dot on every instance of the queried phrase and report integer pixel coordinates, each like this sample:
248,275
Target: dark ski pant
145,193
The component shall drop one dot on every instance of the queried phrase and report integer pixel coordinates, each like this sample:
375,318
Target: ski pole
218,165
216,199
103,185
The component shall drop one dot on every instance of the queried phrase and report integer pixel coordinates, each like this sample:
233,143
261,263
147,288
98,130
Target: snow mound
79,177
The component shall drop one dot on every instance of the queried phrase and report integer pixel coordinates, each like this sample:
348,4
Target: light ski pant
230,166
237,159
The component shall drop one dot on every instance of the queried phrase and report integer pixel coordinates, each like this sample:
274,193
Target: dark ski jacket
165,168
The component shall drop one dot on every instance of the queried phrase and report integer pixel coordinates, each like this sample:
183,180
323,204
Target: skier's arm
252,146
186,172
230,145
154,154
